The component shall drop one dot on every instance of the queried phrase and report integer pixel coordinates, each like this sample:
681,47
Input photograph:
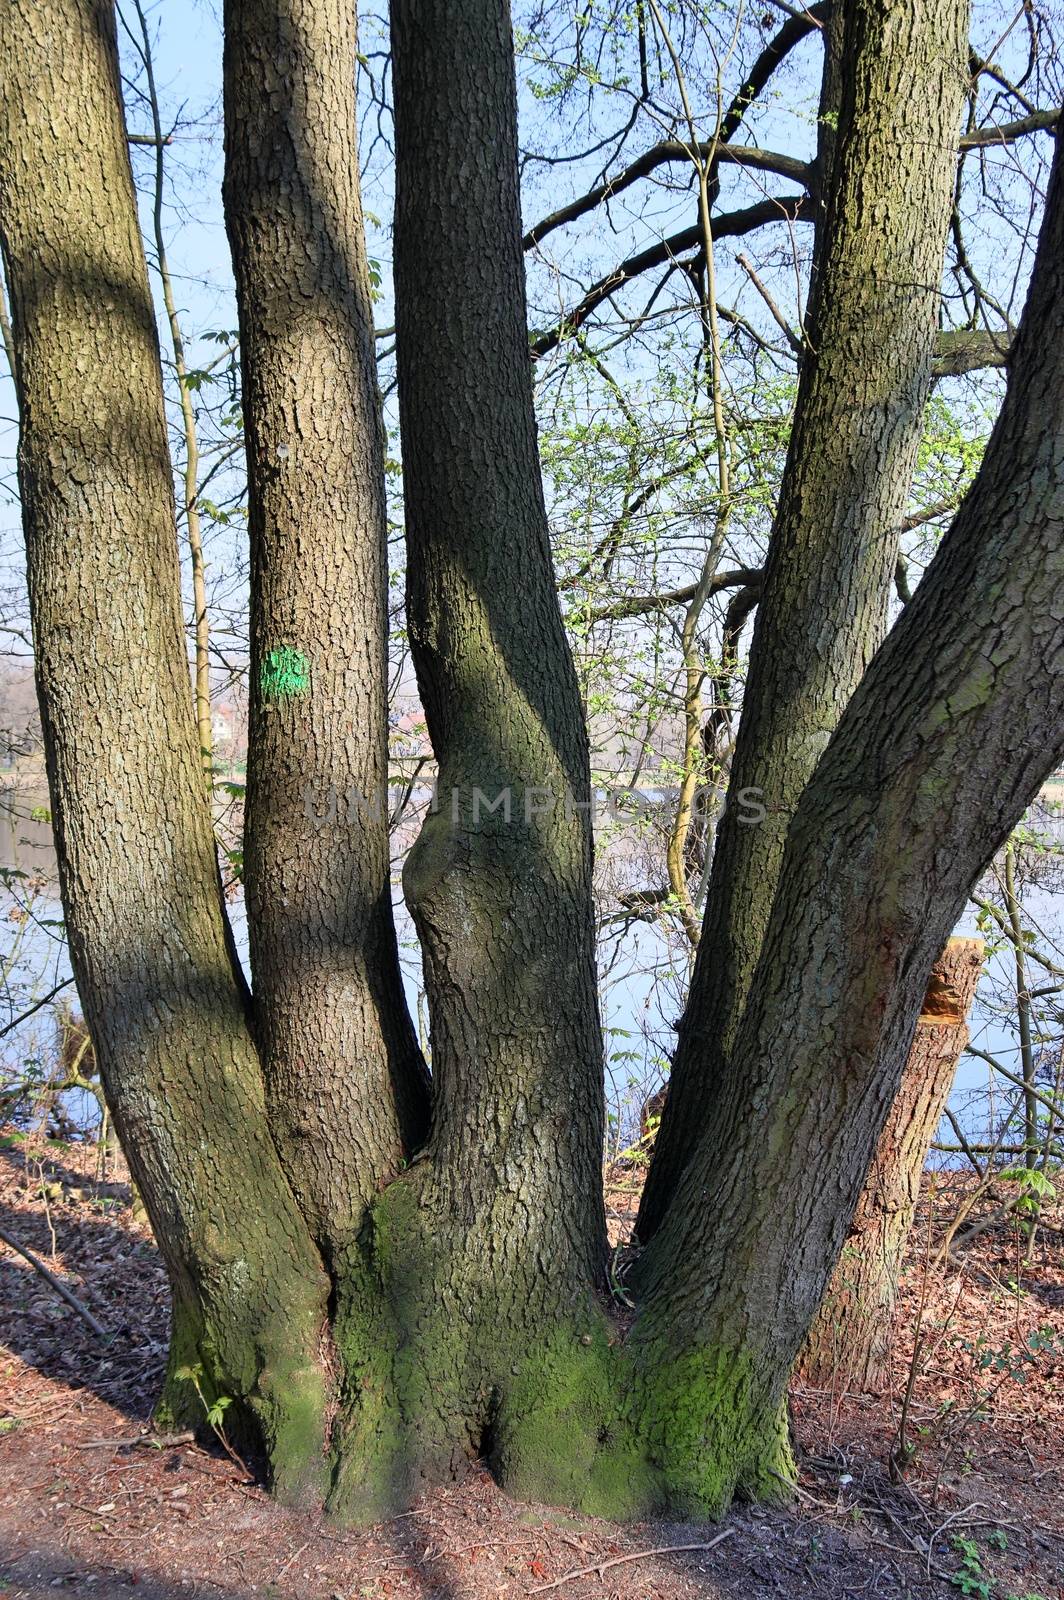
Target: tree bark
849,1343
857,424
466,1307
149,942
346,1088
834,34
487,1253
949,736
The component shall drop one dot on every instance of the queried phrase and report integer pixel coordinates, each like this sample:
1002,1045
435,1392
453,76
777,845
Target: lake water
641,995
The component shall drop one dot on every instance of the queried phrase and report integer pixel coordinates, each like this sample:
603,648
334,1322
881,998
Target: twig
615,1283
777,315
36,1006
640,1555
915,1542
157,1441
803,1494
293,1557
954,1517
94,1511
902,1453
60,1288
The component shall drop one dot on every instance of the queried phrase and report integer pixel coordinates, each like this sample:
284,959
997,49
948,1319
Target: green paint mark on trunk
284,674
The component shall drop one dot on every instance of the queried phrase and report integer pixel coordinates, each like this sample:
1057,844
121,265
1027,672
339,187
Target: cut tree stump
849,1343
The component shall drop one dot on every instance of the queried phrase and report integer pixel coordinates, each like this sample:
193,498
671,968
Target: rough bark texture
487,1253
149,943
857,423
834,40
346,1088
949,736
849,1343
466,1312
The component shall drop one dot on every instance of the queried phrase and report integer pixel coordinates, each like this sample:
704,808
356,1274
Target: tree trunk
486,1255
949,736
857,425
849,1343
468,1309
346,1088
149,942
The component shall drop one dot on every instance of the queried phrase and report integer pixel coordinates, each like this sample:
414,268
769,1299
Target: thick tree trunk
346,1088
849,1343
823,609
148,938
467,1311
952,731
486,1255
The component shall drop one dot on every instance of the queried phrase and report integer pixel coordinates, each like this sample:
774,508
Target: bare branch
777,315
639,605
1037,122
55,1283
664,154
783,208
961,350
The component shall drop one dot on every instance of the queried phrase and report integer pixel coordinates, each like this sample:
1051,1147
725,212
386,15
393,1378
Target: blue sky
187,52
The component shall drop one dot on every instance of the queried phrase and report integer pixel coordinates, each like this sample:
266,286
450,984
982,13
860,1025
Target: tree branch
782,208
639,604
56,1284
961,350
793,31
1037,122
37,1005
664,154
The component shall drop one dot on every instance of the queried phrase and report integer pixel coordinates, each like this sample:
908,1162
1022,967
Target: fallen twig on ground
54,1283
599,1567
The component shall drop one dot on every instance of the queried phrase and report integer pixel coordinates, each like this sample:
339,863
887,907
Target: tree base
271,1402
577,1420
441,1363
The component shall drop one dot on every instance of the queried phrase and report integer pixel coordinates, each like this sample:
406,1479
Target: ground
92,1503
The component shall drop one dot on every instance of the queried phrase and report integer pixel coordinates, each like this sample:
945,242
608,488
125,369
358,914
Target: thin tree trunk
346,1087
950,735
857,425
149,943
1028,1063
487,1253
7,338
849,1343
835,39
190,475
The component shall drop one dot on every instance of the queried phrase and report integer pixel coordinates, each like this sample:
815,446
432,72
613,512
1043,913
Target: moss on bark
444,1364
407,1418
277,1398
714,1430
562,1434
624,1431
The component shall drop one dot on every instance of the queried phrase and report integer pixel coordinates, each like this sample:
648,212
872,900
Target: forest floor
92,1504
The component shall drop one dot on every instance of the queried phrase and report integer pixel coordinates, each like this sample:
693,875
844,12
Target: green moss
280,1419
610,1431
560,1433
409,1403
370,1476
179,1406
439,1364
368,1482
711,1432
288,1408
